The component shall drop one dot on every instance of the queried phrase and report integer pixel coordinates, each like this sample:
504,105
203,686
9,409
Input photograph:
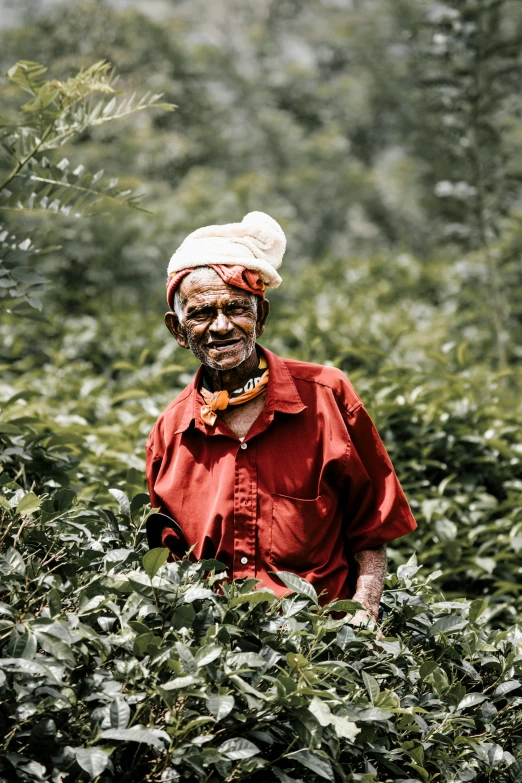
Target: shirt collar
281,395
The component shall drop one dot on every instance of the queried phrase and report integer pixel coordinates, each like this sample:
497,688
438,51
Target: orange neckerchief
218,401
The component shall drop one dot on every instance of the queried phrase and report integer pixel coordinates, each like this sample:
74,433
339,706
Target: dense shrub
78,408
111,671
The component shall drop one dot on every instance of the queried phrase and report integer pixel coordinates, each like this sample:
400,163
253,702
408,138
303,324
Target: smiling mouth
223,345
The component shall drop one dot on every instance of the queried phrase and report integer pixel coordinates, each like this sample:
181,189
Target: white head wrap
258,242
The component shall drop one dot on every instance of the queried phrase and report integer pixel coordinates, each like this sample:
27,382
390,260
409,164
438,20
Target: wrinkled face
217,321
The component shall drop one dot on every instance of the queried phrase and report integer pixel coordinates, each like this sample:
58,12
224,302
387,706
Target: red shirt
310,485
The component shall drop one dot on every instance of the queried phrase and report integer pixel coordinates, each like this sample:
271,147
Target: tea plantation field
118,666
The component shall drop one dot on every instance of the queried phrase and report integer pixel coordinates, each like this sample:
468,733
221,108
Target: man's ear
263,308
176,329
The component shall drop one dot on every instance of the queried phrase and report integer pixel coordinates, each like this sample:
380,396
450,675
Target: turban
245,254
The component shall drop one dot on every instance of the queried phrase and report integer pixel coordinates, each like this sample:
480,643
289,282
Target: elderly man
266,464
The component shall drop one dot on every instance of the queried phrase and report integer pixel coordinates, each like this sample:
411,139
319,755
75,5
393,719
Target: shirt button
244,446
244,560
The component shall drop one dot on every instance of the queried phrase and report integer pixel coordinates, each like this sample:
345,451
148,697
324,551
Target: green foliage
471,56
365,128
355,154
32,182
471,68
174,672
451,426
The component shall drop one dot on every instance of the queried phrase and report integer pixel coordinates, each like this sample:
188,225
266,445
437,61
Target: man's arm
371,573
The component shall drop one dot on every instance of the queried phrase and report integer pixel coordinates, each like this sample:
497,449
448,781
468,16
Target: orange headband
238,276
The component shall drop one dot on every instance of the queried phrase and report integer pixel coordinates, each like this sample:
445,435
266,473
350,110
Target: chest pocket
298,530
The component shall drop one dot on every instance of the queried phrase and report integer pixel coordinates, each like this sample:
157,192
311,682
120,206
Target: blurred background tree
365,128
467,58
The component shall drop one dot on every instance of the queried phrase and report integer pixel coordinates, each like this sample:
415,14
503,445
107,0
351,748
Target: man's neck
235,378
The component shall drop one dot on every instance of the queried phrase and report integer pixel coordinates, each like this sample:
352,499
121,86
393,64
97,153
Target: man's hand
371,565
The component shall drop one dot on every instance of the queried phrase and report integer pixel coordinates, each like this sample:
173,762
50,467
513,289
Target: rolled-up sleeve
376,509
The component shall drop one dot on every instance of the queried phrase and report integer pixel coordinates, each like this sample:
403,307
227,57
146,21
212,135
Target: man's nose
221,324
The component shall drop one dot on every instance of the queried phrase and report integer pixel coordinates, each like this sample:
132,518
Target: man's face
218,322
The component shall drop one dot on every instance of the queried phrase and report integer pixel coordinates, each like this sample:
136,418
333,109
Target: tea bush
80,403
114,671
108,674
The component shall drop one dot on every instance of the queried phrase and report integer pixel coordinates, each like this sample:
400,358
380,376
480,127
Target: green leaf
220,706
154,559
296,661
186,658
477,607
427,668
515,771
298,585
471,700
139,628
138,501
61,501
321,711
142,642
207,654
447,625
446,530
144,736
28,504
372,714
345,605
119,714
237,748
314,762
27,74
256,597
372,686
213,565
55,602
409,569
4,503
495,755
249,659
123,501
196,594
56,648
507,687
15,560
418,768
30,647
92,760
344,728
183,616
181,682
27,667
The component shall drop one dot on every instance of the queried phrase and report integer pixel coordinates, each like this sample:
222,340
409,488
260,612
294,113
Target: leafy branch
56,113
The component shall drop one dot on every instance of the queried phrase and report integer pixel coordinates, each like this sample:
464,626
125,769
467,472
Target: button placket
245,512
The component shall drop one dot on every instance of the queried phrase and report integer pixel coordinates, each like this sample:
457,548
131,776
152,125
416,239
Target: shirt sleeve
376,508
168,537
152,467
